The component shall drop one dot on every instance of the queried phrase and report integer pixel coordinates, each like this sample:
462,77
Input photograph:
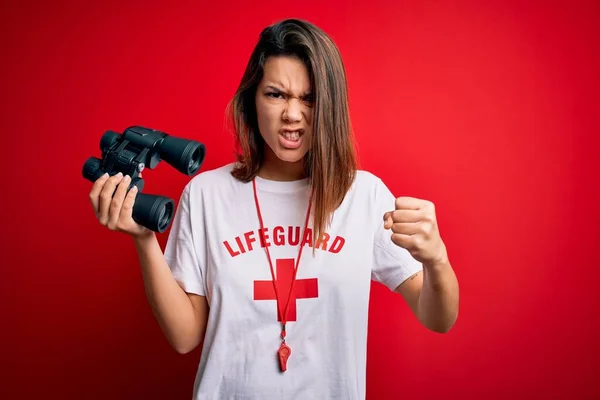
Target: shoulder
210,179
366,181
371,188
366,177
366,189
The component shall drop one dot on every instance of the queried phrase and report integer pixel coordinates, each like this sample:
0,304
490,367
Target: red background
488,109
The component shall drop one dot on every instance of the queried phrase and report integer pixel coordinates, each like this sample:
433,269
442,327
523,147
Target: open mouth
291,139
291,135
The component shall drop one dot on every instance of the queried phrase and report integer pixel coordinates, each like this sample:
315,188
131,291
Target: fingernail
134,189
127,178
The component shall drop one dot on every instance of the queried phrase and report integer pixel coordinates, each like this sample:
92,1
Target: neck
275,169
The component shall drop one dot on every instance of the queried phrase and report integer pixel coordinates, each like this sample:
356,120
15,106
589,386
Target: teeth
293,136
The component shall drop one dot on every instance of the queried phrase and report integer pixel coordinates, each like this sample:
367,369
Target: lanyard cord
283,317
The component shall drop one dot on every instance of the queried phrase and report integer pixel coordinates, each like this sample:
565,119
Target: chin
290,156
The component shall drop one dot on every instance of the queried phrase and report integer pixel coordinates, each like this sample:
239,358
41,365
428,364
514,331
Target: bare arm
433,296
181,316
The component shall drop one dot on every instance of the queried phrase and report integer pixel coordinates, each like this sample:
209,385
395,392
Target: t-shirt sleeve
392,264
185,244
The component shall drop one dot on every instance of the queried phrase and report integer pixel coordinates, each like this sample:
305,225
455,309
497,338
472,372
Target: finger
106,197
127,207
117,202
408,203
407,216
387,220
95,192
406,228
404,241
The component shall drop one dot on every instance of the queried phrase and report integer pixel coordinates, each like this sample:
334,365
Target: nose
293,111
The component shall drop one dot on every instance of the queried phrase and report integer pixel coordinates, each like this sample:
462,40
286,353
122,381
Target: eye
274,95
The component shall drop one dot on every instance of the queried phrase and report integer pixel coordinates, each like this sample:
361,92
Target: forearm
170,304
438,301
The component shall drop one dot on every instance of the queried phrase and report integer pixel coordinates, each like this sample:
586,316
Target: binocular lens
166,214
184,155
153,211
196,159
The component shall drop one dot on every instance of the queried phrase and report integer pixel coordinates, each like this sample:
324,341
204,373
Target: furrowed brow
279,88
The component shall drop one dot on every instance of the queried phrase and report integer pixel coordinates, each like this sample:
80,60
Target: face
284,109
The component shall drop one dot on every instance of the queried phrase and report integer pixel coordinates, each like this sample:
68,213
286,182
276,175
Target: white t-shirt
214,249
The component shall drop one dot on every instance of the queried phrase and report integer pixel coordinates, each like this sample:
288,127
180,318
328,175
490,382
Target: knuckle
115,203
426,229
429,217
417,242
122,225
99,185
105,196
431,207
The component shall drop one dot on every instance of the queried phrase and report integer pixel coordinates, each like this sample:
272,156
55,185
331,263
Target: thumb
387,220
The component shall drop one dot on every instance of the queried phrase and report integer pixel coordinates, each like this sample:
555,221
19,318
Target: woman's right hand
115,212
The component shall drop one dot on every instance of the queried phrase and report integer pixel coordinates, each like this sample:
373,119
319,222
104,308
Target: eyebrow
279,87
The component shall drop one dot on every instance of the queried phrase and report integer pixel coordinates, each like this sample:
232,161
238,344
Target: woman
269,260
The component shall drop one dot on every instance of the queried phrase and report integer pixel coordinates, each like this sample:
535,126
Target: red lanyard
284,350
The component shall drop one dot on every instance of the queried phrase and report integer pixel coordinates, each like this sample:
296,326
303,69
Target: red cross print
303,288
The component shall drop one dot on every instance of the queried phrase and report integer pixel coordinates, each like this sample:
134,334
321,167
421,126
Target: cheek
268,117
308,113
309,121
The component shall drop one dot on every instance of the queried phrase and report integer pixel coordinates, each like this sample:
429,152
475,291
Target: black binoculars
138,148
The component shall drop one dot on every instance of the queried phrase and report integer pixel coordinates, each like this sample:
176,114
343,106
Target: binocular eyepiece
138,148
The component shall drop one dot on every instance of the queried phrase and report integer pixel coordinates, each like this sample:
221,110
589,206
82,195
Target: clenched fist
113,204
414,227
